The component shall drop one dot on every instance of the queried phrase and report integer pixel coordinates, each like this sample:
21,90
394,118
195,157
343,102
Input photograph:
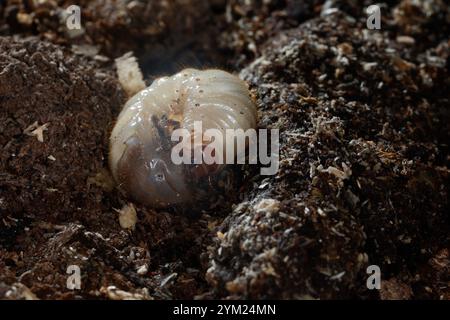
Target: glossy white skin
140,159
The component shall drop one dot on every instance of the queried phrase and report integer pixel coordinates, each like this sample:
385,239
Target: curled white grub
141,145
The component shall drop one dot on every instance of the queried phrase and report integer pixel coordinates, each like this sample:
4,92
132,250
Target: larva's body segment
140,144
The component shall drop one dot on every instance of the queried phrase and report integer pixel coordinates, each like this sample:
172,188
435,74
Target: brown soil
364,173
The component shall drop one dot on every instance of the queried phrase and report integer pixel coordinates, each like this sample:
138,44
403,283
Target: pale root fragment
19,291
129,74
127,216
267,205
113,293
36,130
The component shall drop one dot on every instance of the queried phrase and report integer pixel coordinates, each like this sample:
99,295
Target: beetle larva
140,144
